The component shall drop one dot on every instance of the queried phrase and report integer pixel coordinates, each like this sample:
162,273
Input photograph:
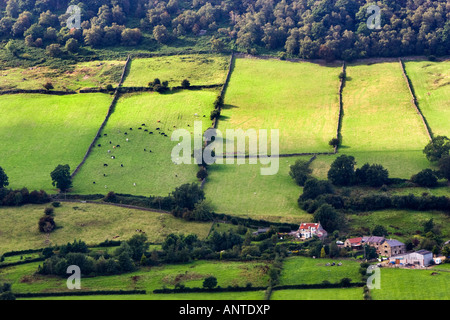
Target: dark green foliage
3,179
425,178
61,177
77,246
6,292
138,245
46,224
49,211
110,197
214,114
314,188
372,175
444,167
328,218
300,171
185,84
437,148
342,171
187,195
334,142
48,86
210,282
202,173
379,231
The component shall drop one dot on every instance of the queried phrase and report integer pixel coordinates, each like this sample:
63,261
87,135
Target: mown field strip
272,94
431,83
38,132
378,115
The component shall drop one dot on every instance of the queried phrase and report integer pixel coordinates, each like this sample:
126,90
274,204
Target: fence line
221,98
40,91
341,106
110,110
414,100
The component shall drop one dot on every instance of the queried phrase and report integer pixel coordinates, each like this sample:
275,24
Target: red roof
354,240
309,225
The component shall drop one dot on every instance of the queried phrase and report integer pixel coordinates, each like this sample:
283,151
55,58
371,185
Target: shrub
202,173
48,86
53,50
56,204
334,142
425,178
300,172
438,147
185,84
214,114
3,178
49,211
46,224
342,171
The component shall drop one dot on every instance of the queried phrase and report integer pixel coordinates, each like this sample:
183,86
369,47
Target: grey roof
394,243
373,239
423,252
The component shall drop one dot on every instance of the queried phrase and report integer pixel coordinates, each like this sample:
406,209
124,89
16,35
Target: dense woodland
307,29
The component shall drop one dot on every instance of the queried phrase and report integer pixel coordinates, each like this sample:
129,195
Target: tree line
325,29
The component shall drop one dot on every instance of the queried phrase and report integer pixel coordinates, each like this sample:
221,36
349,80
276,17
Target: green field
228,273
198,69
153,172
272,94
81,75
318,294
248,295
431,83
302,270
91,223
401,224
400,164
38,132
242,190
378,114
404,284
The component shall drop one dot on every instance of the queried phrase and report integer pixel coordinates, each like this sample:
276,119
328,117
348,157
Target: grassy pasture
38,132
400,164
202,69
401,224
249,295
153,172
303,270
404,284
431,82
298,99
318,294
91,223
378,114
81,75
240,189
191,274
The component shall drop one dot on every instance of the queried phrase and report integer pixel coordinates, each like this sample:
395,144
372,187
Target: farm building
260,231
392,247
420,258
308,230
374,241
354,243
